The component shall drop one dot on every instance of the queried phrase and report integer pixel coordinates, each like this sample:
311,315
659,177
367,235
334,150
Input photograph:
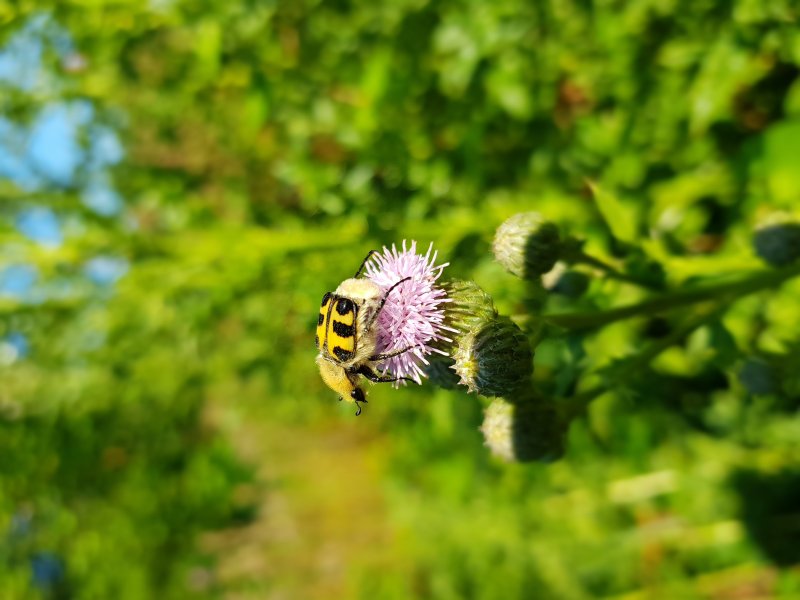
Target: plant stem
727,290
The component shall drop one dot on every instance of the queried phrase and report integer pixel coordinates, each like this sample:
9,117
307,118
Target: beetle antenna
364,263
383,301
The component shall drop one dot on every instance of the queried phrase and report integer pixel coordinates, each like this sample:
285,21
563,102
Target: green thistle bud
523,432
778,245
494,359
469,306
527,245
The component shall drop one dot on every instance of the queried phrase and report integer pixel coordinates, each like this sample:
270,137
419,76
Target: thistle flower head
413,316
469,308
495,359
523,432
527,245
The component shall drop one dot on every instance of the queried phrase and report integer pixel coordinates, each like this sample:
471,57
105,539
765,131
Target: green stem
728,290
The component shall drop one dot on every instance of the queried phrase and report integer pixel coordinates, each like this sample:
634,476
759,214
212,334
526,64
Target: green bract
469,306
494,359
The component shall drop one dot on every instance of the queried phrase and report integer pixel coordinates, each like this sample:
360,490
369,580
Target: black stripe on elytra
325,299
343,330
321,319
342,354
344,306
327,317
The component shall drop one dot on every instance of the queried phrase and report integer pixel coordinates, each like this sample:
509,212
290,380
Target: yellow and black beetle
347,336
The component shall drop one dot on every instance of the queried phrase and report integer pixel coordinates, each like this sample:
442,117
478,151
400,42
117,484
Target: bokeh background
182,180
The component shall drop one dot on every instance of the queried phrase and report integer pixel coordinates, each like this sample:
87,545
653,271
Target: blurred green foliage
267,146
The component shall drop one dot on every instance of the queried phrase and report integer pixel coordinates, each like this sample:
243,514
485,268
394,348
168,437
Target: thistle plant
461,342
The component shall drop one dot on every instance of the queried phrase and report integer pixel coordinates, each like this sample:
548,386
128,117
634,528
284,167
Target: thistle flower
413,316
523,432
527,245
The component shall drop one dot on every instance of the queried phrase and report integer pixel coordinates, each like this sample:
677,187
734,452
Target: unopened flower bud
778,245
469,306
494,359
527,245
523,432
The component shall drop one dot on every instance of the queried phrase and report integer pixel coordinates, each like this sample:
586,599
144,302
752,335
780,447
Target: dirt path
320,513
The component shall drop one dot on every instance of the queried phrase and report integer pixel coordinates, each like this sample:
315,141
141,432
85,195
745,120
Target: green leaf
621,219
781,145
724,345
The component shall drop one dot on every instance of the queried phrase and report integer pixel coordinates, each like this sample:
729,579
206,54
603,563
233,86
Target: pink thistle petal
413,316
